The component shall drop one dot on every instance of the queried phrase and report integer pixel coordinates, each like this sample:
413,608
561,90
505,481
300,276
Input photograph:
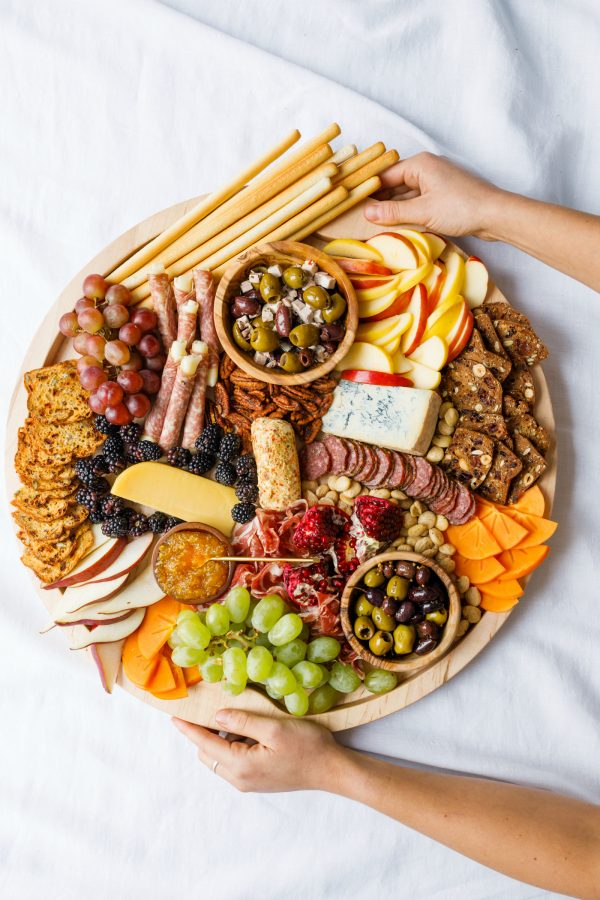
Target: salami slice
352,458
464,506
178,402
205,295
163,299
396,476
384,465
419,487
361,451
436,484
370,465
194,418
315,461
187,315
156,417
410,474
338,452
446,500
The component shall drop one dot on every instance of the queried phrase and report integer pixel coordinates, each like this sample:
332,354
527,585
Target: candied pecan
222,399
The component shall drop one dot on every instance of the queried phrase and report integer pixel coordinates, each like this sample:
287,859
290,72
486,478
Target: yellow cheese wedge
177,493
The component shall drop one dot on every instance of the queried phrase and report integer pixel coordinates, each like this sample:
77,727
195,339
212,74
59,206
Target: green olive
263,340
364,628
363,606
293,277
397,587
404,639
290,362
316,296
440,616
304,335
269,287
239,338
374,578
382,619
336,308
381,643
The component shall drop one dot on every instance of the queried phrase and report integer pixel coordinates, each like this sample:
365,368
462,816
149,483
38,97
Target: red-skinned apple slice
362,266
396,251
419,241
83,637
437,244
476,282
439,313
398,306
455,276
366,376
424,377
434,283
93,564
91,623
370,309
133,553
432,353
375,292
353,249
461,341
368,281
418,308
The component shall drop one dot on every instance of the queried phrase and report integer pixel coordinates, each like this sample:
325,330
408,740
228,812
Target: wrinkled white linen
113,110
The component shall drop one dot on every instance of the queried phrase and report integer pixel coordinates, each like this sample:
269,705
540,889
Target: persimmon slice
473,540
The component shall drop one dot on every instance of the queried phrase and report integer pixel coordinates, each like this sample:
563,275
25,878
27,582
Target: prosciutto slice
270,532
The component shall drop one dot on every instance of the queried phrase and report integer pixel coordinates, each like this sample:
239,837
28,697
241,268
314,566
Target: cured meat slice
183,289
424,475
361,451
385,464
369,465
205,295
338,452
436,485
156,417
410,473
187,315
396,476
163,299
178,401
352,457
444,504
463,508
194,418
315,461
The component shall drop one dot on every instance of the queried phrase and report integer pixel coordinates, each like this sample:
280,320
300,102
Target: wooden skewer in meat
154,422
163,299
187,316
205,295
183,289
179,401
194,417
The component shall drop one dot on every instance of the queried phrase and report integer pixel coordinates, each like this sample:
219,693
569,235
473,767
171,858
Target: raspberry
303,582
381,519
319,528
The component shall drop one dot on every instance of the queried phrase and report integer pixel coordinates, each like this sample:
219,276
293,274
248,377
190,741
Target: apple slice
437,244
359,282
348,247
446,322
412,277
402,324
370,309
476,282
375,292
392,345
441,309
398,306
455,276
401,364
418,309
362,266
433,283
93,564
395,250
379,331
362,376
432,353
457,345
419,241
133,553
83,637
366,356
424,377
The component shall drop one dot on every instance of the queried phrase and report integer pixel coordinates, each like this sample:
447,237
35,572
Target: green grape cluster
261,641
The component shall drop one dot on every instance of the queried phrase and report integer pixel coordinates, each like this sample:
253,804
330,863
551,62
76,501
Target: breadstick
344,153
361,159
372,168
355,196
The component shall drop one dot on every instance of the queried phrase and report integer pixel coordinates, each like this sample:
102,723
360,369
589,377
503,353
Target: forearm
562,238
535,836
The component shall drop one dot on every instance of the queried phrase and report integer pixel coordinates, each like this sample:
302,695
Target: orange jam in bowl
184,567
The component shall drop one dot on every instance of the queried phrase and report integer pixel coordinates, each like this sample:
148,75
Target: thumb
397,211
260,728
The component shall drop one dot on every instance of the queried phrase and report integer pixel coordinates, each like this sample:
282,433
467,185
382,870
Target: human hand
431,191
290,755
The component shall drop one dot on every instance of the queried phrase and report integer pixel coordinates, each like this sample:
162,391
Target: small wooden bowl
290,253
196,526
411,662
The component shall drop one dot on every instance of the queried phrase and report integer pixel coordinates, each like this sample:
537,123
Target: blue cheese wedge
399,418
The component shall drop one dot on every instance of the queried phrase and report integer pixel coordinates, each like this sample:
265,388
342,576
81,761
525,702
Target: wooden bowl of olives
285,313
400,611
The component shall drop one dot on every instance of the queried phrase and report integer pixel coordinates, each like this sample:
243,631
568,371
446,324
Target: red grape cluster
121,356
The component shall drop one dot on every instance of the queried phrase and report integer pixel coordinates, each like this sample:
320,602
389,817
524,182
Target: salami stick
178,403
187,315
163,299
156,417
205,295
194,419
183,289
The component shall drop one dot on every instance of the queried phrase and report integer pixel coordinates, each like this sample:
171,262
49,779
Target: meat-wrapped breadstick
179,401
187,316
194,418
156,417
183,289
163,299
205,295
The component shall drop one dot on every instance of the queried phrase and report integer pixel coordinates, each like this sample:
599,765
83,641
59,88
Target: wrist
494,210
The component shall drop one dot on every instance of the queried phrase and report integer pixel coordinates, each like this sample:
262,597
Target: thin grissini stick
355,196
373,168
156,417
187,317
330,200
179,400
202,209
205,286
344,153
176,251
161,291
194,417
360,160
183,289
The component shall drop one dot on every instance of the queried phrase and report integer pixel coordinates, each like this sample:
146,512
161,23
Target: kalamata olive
283,320
418,617
425,646
405,612
405,568
374,596
306,357
429,606
428,630
390,606
333,333
329,347
418,593
422,575
388,569
244,306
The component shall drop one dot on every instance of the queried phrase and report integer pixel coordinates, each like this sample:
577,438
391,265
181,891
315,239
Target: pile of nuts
447,421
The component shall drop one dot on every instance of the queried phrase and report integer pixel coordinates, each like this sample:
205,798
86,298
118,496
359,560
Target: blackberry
84,468
246,491
201,463
157,522
138,525
86,498
209,440
100,464
130,434
225,473
230,446
243,512
146,451
113,445
130,453
102,425
95,514
245,466
111,506
171,522
115,462
179,457
95,484
116,526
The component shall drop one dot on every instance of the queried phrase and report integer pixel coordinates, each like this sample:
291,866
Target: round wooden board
49,346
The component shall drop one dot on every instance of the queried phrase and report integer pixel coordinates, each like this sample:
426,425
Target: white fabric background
111,110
